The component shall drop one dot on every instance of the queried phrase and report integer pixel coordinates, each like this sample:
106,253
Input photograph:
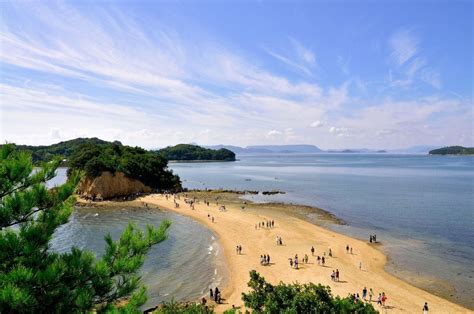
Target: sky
336,74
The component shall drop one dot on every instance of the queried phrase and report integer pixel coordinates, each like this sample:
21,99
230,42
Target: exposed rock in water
109,185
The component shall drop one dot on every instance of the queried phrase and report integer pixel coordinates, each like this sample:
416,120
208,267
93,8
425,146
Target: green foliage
63,149
297,298
183,308
134,162
32,278
453,150
194,152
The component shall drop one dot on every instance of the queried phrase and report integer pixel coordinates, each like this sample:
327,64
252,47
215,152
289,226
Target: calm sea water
421,207
183,267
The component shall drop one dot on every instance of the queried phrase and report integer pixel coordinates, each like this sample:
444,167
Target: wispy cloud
303,53
302,59
289,62
67,72
410,64
404,46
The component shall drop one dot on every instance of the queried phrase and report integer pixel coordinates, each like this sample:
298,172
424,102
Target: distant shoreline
197,161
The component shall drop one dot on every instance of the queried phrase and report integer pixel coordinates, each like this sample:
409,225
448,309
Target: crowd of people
265,224
367,295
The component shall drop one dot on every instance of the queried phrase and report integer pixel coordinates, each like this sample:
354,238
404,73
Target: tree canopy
297,298
63,149
194,152
135,162
33,279
453,150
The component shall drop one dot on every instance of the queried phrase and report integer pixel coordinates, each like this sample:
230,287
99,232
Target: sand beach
237,226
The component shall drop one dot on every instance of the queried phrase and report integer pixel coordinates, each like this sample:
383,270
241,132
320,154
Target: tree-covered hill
453,150
193,152
63,149
136,163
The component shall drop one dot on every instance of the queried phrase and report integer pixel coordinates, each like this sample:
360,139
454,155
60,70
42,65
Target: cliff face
110,185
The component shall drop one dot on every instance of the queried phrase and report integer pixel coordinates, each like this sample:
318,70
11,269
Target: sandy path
238,227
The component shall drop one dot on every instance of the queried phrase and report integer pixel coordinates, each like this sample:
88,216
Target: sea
420,207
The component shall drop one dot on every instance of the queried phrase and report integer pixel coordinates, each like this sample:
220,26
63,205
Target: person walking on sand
379,299
360,265
330,253
306,259
312,251
216,294
291,262
364,293
337,274
211,294
319,260
268,259
347,249
371,294
351,249
425,308
323,260
384,299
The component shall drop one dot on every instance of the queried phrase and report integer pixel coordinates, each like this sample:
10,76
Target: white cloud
338,131
316,124
273,133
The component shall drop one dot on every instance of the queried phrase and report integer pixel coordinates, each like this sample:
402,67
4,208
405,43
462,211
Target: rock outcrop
109,185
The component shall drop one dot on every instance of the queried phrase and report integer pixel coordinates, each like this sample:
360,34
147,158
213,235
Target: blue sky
337,74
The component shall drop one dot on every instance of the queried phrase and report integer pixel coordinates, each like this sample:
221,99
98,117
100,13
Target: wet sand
236,226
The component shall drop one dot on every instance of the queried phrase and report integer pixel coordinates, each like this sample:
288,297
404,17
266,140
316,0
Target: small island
453,150
111,169
188,152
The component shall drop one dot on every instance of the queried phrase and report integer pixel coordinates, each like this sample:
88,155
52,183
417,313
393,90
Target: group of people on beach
238,249
215,295
348,249
265,260
373,238
211,218
366,295
265,224
294,263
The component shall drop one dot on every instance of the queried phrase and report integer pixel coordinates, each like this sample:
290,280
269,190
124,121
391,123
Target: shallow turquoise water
183,267
421,207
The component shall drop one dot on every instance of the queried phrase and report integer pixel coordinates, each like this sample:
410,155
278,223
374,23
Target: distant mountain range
308,149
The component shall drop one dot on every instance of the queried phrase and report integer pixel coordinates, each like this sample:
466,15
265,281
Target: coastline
237,226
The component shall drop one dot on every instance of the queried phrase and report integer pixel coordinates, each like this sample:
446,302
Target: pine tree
33,279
